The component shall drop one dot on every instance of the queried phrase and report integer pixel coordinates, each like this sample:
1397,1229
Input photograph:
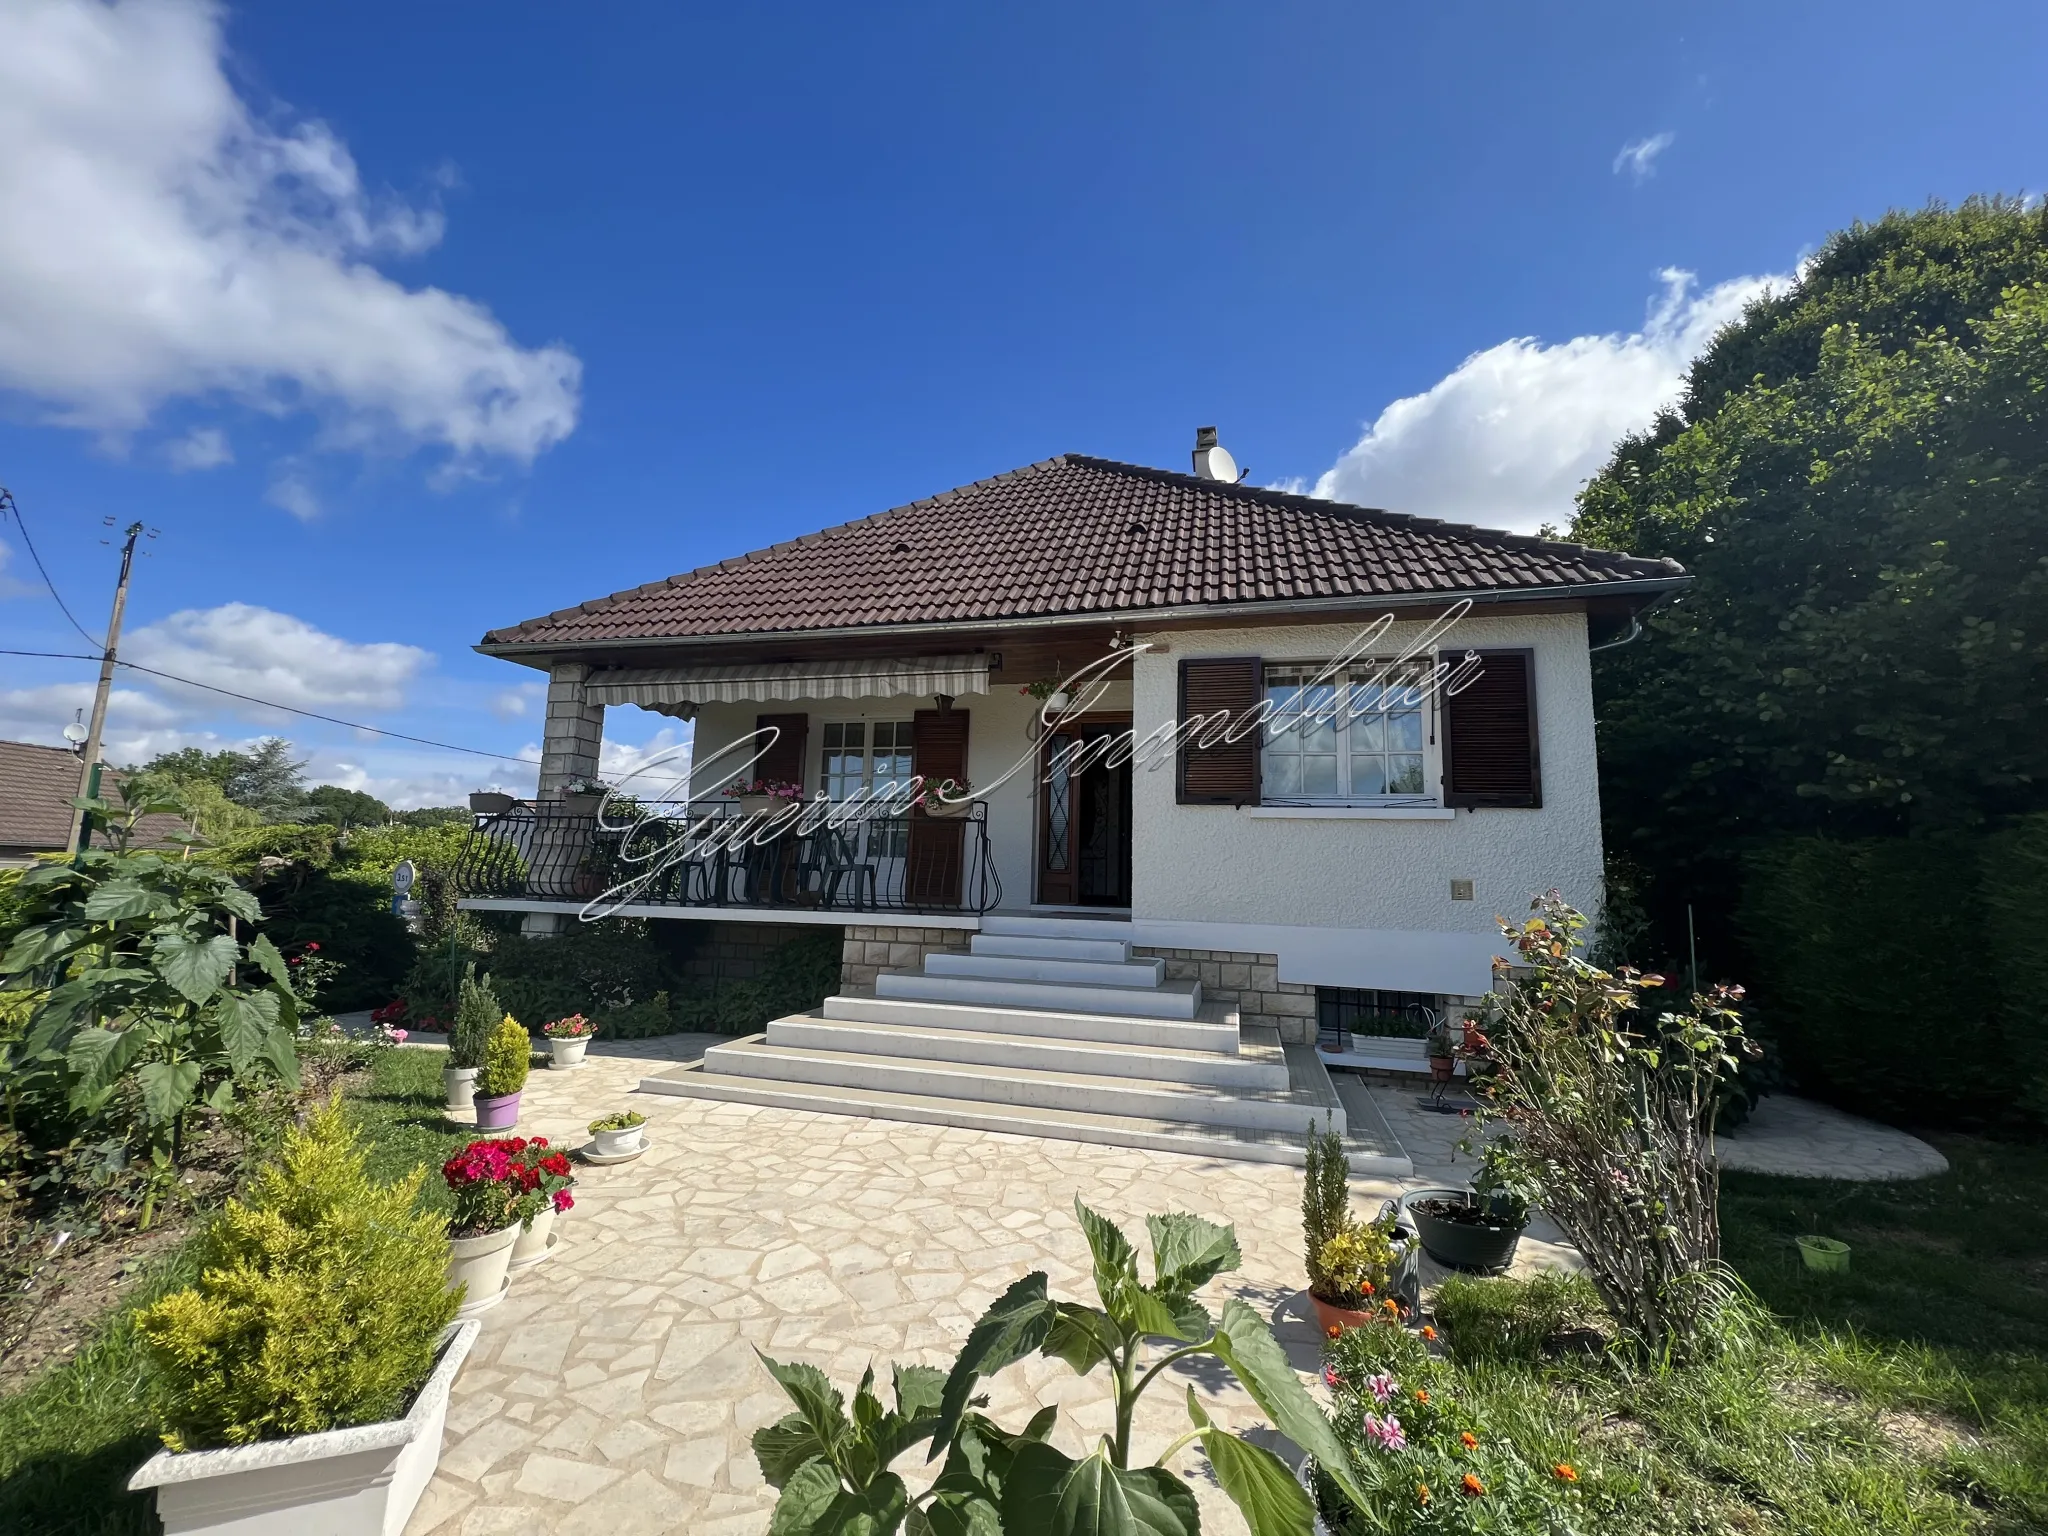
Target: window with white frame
867,758
1353,737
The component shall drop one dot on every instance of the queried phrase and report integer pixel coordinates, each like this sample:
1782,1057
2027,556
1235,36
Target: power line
7,504
376,730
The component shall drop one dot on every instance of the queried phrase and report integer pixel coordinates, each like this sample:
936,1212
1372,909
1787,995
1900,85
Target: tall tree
1858,479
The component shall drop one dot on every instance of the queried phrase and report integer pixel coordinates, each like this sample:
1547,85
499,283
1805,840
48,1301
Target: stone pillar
573,733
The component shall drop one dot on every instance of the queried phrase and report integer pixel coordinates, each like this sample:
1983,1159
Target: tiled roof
36,786
1077,535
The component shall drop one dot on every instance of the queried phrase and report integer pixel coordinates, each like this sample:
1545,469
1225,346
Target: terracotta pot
497,1114
618,1143
1441,1068
568,1052
531,1245
458,1087
481,1264
1339,1318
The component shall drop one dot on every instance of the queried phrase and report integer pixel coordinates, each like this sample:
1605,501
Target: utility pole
89,770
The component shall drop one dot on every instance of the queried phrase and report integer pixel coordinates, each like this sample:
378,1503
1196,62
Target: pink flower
1386,1432
1331,1378
563,1200
1381,1386
398,1036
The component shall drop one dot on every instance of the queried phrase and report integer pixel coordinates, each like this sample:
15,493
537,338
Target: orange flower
1422,1493
1392,1306
1428,1332
1468,1440
1565,1472
1365,1287
1472,1485
1333,1330
1422,1394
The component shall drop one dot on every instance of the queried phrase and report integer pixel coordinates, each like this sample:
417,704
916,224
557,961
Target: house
37,785
1139,942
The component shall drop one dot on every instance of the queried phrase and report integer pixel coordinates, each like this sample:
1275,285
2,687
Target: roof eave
1649,587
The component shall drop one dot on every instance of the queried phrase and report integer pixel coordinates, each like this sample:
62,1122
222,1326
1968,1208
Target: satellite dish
1217,464
75,732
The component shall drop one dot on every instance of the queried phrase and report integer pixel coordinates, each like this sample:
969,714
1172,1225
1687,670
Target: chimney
1212,460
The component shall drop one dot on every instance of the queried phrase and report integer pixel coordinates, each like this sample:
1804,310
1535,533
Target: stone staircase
1046,1027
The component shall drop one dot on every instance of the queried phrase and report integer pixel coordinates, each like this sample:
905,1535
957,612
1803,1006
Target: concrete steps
1257,1069
1372,1153
1170,1000
1046,1028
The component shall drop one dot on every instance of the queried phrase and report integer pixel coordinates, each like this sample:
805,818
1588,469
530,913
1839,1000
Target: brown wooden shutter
784,761
936,854
1489,730
1222,773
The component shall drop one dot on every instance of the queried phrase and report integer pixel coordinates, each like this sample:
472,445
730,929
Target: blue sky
405,322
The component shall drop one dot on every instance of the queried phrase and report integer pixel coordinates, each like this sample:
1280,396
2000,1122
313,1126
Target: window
1361,1011
1354,737
867,758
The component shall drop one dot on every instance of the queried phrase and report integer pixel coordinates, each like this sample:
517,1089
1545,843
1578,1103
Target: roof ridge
598,605
1381,515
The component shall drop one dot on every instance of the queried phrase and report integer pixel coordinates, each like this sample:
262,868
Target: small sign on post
402,904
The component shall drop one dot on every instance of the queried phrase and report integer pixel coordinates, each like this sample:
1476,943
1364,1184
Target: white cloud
406,778
290,492
10,584
202,448
274,656
512,703
1638,157
1508,437
160,240
655,769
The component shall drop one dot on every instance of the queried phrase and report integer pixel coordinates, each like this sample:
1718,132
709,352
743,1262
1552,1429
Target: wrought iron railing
710,854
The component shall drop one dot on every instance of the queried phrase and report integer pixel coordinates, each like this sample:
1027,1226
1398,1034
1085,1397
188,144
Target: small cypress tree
477,1011
319,1305
1325,1197
507,1056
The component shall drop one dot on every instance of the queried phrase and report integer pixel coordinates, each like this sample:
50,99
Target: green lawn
70,1439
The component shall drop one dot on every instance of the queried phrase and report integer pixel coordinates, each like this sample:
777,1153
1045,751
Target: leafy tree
434,816
155,1002
265,778
331,805
1858,480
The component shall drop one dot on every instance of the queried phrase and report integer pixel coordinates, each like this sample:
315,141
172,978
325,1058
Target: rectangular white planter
342,1482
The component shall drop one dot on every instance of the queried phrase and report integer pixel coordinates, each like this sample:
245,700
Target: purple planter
497,1114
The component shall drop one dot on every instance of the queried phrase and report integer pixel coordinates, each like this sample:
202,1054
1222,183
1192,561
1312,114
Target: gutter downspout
1635,624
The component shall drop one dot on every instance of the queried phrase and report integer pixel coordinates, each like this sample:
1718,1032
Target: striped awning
678,691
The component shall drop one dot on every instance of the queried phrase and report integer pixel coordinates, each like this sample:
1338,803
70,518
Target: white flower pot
568,1053
458,1087
533,1241
1057,702
343,1482
481,1264
618,1143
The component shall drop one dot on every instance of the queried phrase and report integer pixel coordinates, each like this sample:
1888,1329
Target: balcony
709,854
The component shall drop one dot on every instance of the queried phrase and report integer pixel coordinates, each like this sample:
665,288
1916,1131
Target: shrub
477,1011
1354,1265
621,1120
1511,1320
1612,1112
319,1304
1325,1198
501,1180
507,1056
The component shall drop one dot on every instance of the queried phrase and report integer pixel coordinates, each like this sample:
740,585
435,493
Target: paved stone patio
614,1391
1798,1138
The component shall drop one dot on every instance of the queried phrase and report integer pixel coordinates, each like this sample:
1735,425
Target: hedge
1900,975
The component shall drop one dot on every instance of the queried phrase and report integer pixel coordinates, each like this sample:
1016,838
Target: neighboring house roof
36,789
1077,535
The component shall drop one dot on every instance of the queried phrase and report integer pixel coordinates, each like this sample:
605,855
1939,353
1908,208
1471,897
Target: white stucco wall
1367,903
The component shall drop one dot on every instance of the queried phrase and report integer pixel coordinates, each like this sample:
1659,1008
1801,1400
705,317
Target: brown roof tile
1078,535
36,787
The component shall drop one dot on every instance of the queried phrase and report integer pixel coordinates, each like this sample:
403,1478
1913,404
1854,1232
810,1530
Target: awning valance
678,691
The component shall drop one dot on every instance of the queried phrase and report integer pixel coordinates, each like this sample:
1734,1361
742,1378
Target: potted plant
507,1057
1440,1045
762,797
568,1039
584,796
945,798
300,1383
1476,1228
547,1173
495,1192
619,1135
476,1013
1048,692
490,802
1354,1264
